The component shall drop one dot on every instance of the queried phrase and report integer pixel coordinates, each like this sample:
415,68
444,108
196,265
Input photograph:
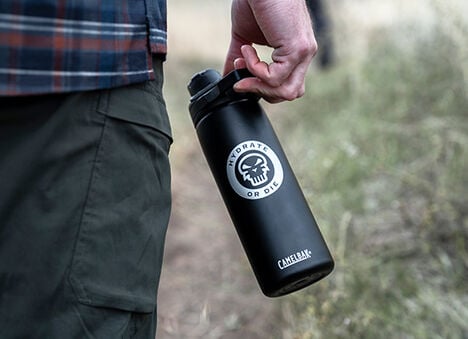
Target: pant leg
84,206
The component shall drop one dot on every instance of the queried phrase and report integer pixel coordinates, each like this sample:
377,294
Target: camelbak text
294,258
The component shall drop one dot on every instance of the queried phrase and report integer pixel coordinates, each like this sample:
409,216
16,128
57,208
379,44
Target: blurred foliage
380,146
385,169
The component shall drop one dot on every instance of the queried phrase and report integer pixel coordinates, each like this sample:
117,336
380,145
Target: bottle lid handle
207,87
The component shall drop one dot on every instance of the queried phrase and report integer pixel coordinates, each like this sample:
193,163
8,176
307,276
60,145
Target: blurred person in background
323,34
84,142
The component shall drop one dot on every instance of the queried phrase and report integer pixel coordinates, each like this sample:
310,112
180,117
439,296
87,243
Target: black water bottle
275,225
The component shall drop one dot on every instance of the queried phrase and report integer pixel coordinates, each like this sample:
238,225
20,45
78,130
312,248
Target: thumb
234,52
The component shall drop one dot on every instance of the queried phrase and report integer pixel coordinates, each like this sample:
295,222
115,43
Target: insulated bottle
273,221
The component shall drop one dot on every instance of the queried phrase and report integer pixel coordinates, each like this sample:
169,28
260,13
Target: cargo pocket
118,252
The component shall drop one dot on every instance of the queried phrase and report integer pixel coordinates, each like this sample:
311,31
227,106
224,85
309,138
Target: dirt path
207,288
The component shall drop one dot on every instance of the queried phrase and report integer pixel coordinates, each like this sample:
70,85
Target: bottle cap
202,80
208,90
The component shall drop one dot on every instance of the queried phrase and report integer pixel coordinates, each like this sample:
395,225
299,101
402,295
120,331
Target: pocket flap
138,104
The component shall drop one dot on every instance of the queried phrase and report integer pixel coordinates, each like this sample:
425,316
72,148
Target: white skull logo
254,168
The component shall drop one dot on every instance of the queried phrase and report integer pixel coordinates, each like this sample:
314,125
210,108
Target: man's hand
283,25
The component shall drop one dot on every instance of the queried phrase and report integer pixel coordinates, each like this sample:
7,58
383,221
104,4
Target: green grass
380,146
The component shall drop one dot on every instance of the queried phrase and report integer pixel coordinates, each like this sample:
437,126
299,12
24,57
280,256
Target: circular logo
254,170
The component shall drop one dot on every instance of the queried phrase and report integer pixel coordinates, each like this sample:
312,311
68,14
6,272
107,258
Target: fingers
274,74
240,63
234,53
292,89
275,82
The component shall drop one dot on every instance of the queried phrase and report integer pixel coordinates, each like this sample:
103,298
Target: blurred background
379,144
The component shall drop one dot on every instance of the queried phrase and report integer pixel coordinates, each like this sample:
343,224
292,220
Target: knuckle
314,47
301,92
293,92
307,47
290,94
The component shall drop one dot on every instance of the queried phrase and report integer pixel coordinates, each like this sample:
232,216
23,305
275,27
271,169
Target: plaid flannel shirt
50,46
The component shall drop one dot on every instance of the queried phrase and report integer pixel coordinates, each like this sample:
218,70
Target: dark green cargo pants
84,206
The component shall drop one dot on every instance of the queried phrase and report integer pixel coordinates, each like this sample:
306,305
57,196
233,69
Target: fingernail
237,87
